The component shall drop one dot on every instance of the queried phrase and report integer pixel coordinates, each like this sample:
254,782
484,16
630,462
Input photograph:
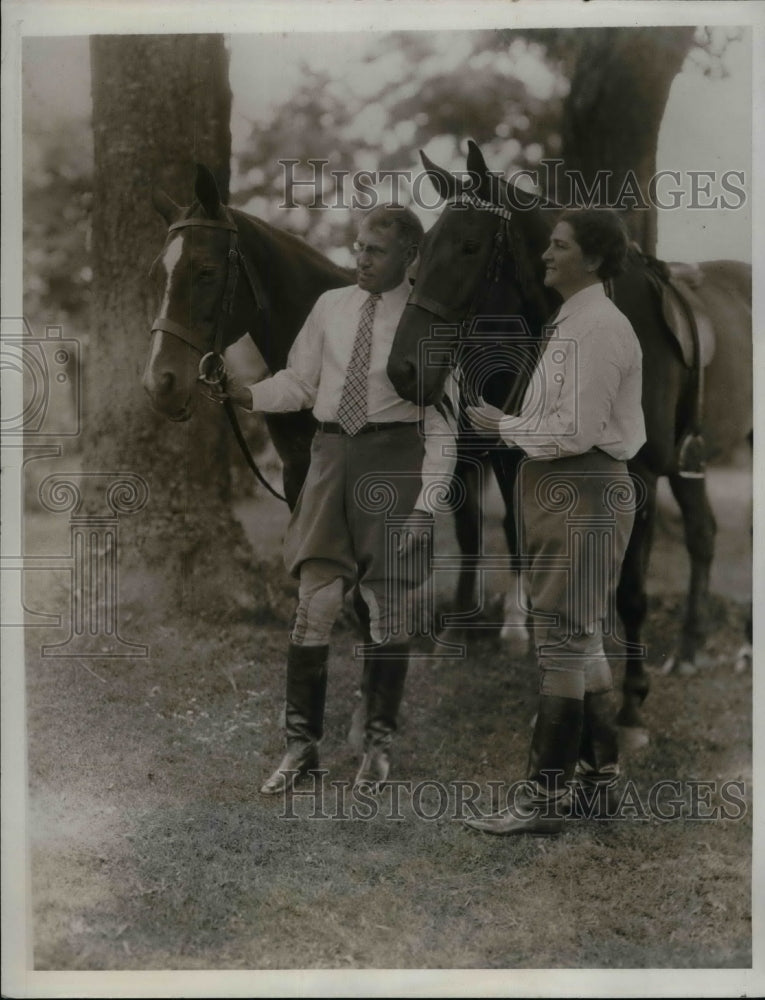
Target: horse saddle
686,316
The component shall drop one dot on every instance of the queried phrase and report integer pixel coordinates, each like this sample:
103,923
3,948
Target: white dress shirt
316,369
586,390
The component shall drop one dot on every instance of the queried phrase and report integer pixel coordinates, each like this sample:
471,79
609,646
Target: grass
152,849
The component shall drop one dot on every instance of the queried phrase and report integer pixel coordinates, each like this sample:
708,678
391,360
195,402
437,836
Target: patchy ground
151,848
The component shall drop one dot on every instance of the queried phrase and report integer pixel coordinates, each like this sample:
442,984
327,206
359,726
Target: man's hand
485,418
415,532
231,389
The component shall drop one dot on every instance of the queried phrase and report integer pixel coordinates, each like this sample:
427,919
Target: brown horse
479,301
280,278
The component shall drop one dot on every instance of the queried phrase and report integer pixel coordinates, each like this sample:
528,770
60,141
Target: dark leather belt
384,425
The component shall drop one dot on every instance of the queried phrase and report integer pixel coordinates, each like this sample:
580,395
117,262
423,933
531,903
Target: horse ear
477,167
206,190
444,182
165,205
475,161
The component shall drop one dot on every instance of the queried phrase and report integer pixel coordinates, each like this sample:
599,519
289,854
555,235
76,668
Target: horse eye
471,246
206,273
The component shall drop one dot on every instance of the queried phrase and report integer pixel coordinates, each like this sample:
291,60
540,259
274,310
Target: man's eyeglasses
369,248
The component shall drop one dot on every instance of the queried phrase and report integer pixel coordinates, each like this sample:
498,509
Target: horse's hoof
743,662
515,639
685,667
633,738
668,666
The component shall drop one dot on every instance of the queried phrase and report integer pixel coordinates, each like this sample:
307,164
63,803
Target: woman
580,420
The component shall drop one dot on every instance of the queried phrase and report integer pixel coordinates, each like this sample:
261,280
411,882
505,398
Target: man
374,455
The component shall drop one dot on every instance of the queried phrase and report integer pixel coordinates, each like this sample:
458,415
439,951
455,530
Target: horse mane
292,242
529,238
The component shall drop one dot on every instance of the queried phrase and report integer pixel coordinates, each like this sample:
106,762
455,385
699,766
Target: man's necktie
352,409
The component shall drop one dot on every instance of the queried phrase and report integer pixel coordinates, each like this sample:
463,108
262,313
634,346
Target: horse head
200,310
479,265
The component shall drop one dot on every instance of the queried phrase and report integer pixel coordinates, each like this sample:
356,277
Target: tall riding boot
306,693
385,687
597,770
543,805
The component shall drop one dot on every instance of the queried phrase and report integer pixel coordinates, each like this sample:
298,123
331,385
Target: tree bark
611,117
160,104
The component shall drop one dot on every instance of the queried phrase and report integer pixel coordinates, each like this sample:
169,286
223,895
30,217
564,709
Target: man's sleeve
294,387
439,460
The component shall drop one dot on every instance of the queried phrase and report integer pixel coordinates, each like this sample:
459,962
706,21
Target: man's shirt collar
394,296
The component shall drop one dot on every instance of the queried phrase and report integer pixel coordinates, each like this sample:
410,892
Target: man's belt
329,427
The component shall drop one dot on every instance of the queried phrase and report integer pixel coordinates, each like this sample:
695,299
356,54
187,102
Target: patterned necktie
352,410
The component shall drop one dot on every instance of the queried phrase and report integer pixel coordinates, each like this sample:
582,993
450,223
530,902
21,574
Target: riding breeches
577,514
341,532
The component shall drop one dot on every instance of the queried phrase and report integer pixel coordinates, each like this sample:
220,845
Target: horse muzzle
403,377
164,400
170,376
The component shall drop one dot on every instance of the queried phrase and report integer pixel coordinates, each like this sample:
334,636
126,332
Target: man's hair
600,233
408,227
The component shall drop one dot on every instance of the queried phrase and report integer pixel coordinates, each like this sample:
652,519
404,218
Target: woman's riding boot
386,673
306,693
597,770
545,801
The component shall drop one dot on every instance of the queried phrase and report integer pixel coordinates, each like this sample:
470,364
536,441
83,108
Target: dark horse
479,263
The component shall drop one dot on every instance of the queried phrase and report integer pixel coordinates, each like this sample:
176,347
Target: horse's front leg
468,520
632,602
515,632
700,530
291,434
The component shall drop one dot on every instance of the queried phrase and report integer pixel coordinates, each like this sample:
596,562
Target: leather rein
212,370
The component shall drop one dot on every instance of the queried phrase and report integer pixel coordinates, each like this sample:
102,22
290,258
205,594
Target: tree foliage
594,97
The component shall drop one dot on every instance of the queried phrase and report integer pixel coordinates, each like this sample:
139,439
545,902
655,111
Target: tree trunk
611,117
160,104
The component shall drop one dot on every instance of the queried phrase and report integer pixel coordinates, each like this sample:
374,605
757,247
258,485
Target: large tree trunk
611,117
160,103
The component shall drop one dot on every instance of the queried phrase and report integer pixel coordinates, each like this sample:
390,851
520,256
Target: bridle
212,370
206,343
499,251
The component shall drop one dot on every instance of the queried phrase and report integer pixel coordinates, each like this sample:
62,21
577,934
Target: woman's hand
485,418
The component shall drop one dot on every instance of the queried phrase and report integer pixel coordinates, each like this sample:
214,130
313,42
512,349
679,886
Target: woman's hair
600,233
